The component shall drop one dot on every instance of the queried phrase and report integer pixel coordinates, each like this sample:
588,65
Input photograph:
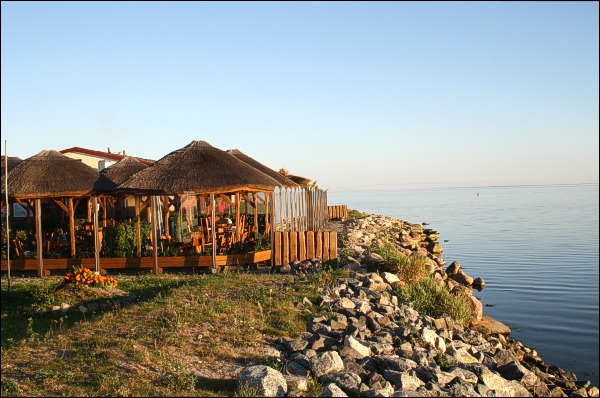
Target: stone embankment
370,344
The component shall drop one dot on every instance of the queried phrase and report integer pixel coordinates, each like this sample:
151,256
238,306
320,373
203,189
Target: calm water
536,248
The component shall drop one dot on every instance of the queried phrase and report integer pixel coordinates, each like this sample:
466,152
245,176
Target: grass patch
173,341
428,297
357,215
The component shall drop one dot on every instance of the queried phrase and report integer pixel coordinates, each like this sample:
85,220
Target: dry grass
188,335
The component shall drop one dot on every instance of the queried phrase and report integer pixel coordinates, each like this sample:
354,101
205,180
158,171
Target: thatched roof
200,168
51,174
12,162
302,181
281,179
113,176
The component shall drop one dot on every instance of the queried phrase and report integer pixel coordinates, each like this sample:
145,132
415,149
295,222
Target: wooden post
39,237
310,245
138,228
280,210
155,237
271,204
72,227
89,210
213,232
293,246
95,206
302,246
238,222
285,245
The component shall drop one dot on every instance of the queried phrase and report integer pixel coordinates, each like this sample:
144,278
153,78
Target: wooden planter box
140,262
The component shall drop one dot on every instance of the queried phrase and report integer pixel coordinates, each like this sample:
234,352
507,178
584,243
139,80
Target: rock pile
371,344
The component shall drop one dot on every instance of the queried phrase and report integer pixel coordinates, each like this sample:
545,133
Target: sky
359,96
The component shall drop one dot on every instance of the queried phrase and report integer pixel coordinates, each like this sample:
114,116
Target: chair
18,248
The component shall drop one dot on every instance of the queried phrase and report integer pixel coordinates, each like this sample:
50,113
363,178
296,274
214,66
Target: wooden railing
290,246
340,211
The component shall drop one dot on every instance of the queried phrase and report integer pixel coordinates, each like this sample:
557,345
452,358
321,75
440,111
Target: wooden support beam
95,206
213,232
39,237
226,199
61,205
248,200
138,228
259,198
155,237
72,226
238,223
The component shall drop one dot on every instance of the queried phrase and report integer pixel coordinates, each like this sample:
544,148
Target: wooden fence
340,211
300,209
290,246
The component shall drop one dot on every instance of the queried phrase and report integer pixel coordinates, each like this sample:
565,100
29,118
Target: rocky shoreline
371,344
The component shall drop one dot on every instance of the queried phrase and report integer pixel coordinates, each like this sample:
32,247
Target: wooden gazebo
206,173
51,176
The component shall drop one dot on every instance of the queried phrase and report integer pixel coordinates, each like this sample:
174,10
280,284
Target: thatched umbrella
283,181
11,161
302,181
52,175
119,172
199,168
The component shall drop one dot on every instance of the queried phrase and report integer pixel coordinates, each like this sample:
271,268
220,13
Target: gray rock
462,390
462,278
394,362
338,322
265,381
296,383
296,369
503,387
515,371
331,390
285,269
295,344
402,380
318,328
322,342
434,375
464,375
325,363
347,381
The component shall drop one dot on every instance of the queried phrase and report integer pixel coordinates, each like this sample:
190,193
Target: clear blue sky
355,95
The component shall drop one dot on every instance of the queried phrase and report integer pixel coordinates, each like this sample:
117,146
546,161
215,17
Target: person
221,207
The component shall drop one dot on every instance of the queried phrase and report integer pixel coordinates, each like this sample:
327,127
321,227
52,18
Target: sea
536,247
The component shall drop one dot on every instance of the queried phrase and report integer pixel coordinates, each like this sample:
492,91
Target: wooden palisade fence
290,246
338,212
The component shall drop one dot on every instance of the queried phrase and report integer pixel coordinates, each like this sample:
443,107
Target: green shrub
429,297
120,239
410,269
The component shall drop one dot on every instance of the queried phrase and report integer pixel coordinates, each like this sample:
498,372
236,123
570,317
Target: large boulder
263,381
